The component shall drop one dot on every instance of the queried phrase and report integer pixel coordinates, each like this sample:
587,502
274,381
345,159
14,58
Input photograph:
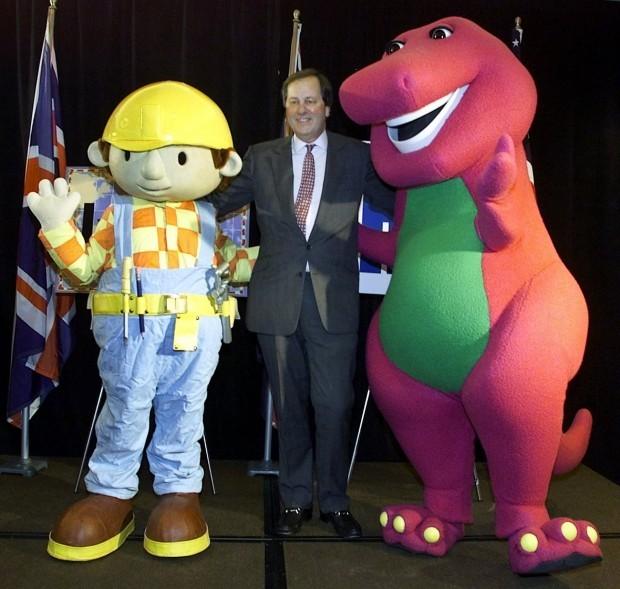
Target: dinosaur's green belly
434,321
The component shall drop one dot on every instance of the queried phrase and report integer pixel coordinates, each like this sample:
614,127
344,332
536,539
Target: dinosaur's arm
380,246
498,221
377,246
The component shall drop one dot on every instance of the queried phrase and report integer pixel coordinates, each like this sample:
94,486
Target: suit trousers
311,377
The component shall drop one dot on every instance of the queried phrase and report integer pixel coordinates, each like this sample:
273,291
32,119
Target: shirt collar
300,146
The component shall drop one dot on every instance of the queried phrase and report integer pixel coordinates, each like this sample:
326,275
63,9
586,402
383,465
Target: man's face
306,113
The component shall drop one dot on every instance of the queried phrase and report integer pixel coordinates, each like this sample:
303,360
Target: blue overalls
144,371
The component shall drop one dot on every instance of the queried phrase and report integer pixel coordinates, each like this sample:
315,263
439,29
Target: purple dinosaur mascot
482,326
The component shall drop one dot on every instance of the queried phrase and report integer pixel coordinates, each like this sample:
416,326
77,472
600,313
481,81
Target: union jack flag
42,332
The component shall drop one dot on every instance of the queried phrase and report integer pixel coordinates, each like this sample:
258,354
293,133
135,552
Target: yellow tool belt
111,303
187,308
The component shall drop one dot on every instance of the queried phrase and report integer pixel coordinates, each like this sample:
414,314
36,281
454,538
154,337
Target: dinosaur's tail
574,443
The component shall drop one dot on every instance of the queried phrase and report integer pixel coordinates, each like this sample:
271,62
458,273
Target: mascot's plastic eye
393,47
127,155
182,157
440,33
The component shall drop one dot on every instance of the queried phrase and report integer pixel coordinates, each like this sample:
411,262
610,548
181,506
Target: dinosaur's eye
182,158
393,47
127,155
440,33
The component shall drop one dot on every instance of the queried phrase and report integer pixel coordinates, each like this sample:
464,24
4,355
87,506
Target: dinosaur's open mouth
415,130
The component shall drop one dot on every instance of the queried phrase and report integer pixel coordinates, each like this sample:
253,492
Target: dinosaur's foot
417,529
557,545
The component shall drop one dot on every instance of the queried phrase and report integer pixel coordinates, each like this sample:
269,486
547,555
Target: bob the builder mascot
158,312
482,326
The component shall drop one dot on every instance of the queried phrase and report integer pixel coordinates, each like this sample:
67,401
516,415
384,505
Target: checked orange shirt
164,235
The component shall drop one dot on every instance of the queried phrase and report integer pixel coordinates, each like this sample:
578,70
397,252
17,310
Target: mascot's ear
95,156
232,166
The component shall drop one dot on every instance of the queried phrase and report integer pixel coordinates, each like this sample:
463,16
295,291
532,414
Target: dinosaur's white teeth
412,131
416,114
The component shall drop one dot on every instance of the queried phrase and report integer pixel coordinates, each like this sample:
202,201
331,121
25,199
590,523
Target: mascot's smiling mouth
415,130
154,190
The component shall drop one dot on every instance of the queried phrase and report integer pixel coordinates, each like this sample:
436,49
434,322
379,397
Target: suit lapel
282,167
334,168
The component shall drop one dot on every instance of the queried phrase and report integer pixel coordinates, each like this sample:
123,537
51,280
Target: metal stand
357,437
24,466
88,439
90,435
477,485
204,443
265,466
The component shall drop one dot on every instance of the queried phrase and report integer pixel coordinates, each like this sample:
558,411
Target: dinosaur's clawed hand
500,172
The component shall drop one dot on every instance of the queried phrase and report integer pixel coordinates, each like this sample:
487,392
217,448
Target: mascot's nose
376,92
153,166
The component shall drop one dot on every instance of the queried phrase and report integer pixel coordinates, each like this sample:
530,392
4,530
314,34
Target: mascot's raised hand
482,326
53,205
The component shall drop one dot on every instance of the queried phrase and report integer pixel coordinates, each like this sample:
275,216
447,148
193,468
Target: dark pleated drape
237,51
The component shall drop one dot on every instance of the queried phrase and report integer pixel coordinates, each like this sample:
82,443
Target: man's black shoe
291,519
344,523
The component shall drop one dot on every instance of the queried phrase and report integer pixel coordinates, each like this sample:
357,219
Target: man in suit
303,297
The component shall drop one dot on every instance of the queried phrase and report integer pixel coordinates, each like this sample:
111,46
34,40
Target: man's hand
53,205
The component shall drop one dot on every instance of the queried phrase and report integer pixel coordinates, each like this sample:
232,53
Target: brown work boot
91,528
176,527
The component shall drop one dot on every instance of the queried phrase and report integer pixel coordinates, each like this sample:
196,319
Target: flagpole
294,56
25,465
51,13
294,62
516,44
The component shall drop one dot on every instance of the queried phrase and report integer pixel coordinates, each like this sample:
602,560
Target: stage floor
244,554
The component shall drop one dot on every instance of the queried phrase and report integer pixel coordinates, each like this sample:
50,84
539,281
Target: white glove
53,205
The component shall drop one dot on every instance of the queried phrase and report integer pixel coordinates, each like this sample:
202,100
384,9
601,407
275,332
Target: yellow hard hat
167,113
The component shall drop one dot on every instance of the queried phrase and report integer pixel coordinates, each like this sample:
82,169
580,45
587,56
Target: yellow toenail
432,535
529,542
399,524
592,534
383,519
569,531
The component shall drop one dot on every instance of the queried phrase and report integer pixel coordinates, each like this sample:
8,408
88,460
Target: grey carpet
242,555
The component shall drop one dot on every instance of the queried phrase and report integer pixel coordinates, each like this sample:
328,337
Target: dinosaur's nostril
407,83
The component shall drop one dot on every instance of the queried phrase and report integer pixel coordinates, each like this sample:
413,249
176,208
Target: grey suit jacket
276,286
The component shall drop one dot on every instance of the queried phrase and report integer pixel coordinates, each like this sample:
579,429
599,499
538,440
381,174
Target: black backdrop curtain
237,52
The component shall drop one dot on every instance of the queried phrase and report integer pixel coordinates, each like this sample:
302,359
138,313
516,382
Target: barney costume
483,326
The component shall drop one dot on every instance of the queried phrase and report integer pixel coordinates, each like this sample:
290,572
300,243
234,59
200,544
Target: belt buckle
176,304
